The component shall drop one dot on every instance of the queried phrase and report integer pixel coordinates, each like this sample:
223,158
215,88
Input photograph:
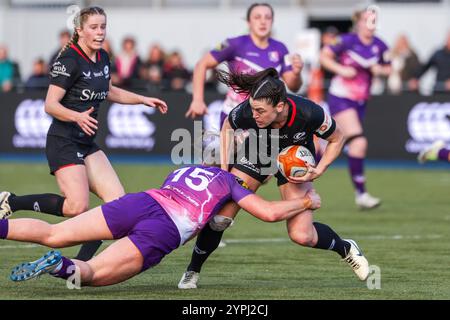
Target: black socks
46,203
207,241
329,240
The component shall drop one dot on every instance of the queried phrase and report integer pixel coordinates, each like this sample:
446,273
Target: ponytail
263,85
73,39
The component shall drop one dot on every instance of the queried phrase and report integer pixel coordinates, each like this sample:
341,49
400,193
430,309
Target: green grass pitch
408,238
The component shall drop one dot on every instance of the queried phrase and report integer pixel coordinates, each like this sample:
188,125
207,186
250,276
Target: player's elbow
271,214
48,107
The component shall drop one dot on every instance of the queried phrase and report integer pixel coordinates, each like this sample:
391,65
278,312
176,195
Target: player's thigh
348,121
74,185
88,226
119,262
103,180
303,222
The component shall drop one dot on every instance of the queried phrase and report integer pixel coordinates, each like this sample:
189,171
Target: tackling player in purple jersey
147,225
249,53
355,59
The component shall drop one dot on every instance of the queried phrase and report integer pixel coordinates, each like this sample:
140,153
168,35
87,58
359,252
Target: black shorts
62,152
253,166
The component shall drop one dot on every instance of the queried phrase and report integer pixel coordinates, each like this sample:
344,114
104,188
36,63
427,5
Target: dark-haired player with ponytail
297,119
80,81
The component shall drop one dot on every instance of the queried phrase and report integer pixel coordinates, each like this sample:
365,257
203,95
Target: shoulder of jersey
301,104
277,42
379,41
69,53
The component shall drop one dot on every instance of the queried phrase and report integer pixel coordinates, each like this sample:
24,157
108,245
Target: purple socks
4,228
65,270
356,167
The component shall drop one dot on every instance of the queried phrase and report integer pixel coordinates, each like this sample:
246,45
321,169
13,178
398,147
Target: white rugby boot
355,258
365,201
5,209
189,280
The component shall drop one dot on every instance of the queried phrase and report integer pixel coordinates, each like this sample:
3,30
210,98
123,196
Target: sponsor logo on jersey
87,75
428,122
252,54
32,123
130,127
299,136
246,163
106,71
277,136
59,69
274,56
98,74
88,95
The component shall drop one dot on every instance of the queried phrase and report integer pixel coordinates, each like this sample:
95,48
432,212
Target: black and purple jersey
86,83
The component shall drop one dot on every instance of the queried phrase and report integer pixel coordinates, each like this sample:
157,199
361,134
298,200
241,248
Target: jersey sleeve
224,51
64,72
322,123
239,118
286,64
238,189
341,44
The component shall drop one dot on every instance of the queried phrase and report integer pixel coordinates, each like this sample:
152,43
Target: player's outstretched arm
127,97
273,211
198,106
293,77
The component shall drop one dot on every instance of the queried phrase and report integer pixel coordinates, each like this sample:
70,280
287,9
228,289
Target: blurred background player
249,53
297,119
147,225
437,151
80,81
355,59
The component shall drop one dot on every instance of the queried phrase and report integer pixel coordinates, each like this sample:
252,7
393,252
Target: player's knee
73,208
305,239
54,238
220,223
359,143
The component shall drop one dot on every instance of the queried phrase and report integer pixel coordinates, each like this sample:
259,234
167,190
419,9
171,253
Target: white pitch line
272,240
370,237
23,246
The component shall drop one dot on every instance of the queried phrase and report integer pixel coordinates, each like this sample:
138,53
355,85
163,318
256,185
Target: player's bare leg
304,231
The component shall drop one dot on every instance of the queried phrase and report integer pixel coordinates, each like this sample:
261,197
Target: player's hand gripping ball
292,161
